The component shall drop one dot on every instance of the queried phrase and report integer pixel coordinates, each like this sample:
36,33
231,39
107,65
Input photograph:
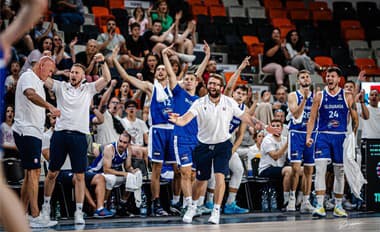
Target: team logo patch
333,123
36,161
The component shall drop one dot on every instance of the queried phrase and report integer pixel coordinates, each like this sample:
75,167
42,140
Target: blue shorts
66,178
329,147
206,155
68,142
298,151
183,150
161,147
30,150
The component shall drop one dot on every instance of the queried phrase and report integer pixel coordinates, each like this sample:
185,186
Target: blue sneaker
209,205
234,209
103,213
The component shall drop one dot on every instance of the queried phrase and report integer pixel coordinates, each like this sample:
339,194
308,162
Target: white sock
320,199
187,201
231,197
286,197
195,202
47,200
305,198
79,206
338,201
217,207
201,200
175,199
292,194
100,208
210,197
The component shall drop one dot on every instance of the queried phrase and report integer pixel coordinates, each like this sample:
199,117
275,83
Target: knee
78,177
52,175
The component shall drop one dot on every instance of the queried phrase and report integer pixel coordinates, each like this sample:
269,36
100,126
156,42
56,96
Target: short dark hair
130,102
334,69
156,21
133,25
242,87
275,120
350,82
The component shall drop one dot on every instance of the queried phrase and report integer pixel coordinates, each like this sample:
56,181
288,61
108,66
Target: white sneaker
306,207
40,222
215,217
45,212
291,207
190,213
186,58
78,217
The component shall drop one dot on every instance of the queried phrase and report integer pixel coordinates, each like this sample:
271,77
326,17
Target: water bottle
273,199
264,200
143,207
314,201
112,205
58,211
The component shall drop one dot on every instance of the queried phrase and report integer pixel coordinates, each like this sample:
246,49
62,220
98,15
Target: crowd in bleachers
281,38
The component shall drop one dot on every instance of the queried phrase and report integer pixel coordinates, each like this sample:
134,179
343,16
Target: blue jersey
117,161
182,101
333,112
159,111
302,126
235,122
2,83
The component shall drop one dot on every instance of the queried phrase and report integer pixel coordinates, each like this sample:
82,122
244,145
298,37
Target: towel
161,95
352,169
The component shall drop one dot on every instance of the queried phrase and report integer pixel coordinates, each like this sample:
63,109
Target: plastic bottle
273,199
264,200
143,207
113,206
58,211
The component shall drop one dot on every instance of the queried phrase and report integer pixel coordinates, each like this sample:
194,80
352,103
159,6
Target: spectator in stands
273,158
11,80
39,31
298,53
276,57
281,100
280,115
183,44
139,17
87,59
45,44
161,13
108,40
69,12
150,63
263,110
254,151
136,46
8,142
371,126
156,39
62,59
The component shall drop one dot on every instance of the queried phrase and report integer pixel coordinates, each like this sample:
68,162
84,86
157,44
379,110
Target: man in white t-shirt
273,157
69,137
138,131
371,126
214,113
28,130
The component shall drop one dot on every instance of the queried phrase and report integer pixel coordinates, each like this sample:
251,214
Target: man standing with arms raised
74,99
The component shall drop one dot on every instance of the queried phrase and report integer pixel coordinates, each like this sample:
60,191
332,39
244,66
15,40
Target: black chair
122,18
71,31
208,32
368,13
343,10
13,171
220,19
341,57
90,32
264,33
246,29
240,20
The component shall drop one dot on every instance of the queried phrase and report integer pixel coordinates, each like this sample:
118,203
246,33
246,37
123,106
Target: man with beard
214,113
184,137
300,103
69,137
331,108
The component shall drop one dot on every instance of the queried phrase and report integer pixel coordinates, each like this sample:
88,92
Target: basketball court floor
262,222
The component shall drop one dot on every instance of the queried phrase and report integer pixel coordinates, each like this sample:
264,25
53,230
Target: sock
292,194
231,197
195,202
100,208
47,200
338,202
286,197
210,197
175,199
305,198
217,207
187,201
79,206
320,199
201,200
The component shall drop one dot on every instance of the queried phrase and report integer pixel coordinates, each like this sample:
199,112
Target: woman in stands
139,17
275,58
45,44
298,53
162,13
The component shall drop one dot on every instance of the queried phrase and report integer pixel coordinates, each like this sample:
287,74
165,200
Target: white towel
352,169
131,183
161,95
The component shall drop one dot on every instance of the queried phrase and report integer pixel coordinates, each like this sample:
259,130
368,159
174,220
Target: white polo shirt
29,118
214,120
74,104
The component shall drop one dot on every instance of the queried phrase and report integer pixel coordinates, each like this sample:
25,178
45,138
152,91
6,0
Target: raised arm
161,38
364,109
294,108
234,77
205,60
313,116
165,57
102,82
145,86
107,95
353,112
